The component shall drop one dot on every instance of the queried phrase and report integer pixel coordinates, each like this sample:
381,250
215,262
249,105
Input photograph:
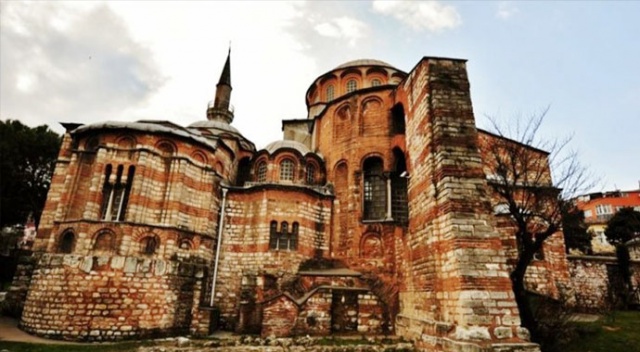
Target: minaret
220,109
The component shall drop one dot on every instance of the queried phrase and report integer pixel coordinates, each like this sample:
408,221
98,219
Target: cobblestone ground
256,344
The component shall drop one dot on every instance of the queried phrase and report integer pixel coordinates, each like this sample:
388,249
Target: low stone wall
97,298
21,279
597,281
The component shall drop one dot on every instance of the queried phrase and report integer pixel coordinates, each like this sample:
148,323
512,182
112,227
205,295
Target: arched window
261,172
286,170
283,239
330,93
67,242
352,85
311,174
374,192
149,245
115,193
375,82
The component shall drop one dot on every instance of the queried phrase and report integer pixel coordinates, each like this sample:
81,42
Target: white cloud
343,27
506,10
420,15
87,62
64,63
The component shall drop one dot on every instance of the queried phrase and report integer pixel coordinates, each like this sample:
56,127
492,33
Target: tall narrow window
261,172
397,119
374,192
330,93
399,204
283,242
273,235
244,169
352,85
311,174
115,193
67,242
286,170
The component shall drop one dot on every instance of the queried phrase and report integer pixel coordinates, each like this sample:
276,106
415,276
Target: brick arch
351,72
126,141
372,155
371,114
199,156
105,240
149,244
342,121
166,147
185,243
371,246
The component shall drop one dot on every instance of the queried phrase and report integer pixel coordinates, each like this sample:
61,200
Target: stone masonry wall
95,298
596,281
457,282
245,239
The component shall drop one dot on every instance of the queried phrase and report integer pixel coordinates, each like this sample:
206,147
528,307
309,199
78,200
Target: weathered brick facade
372,216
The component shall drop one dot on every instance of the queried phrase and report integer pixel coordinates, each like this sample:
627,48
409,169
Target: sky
87,62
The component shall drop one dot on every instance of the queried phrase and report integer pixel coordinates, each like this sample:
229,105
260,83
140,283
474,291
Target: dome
275,146
216,127
364,62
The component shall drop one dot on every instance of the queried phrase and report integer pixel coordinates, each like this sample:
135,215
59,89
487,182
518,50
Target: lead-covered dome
273,147
363,62
349,78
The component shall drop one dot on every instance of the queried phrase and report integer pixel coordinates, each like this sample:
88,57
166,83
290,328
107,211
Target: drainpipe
220,229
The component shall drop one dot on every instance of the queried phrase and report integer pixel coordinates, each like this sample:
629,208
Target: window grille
262,172
286,170
352,85
399,204
311,174
375,82
375,190
330,93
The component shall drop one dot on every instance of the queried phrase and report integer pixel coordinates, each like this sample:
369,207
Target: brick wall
245,238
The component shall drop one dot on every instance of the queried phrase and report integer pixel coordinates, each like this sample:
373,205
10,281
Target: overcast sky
94,61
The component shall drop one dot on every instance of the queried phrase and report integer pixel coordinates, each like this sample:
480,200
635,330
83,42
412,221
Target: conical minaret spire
221,108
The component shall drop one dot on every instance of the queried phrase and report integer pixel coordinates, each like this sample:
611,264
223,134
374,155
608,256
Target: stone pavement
9,332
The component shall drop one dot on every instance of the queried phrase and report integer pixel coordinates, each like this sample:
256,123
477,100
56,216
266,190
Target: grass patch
96,347
619,332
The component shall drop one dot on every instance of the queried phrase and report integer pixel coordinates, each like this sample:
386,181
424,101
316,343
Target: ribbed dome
274,146
363,62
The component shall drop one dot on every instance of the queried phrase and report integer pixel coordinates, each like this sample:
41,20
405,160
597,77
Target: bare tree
531,177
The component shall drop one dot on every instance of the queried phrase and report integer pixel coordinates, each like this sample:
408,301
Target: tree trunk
517,280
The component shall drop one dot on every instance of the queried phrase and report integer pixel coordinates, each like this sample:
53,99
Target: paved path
9,332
